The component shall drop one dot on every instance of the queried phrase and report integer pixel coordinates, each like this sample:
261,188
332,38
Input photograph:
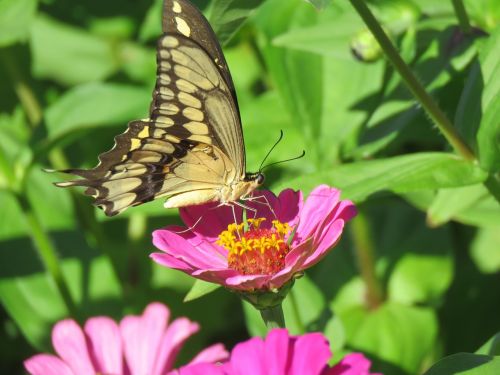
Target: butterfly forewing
192,144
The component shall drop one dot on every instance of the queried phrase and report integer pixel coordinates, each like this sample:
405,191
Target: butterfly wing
192,142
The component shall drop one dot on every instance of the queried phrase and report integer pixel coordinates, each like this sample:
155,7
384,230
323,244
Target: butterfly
190,149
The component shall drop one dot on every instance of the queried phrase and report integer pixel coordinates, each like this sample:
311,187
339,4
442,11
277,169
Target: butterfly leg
265,202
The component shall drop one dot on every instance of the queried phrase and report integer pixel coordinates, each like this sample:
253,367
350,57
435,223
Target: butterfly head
257,178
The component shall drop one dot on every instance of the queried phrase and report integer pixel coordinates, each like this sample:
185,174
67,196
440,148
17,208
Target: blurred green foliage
74,73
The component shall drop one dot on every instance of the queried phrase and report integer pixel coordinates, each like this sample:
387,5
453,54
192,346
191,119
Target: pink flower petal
276,350
169,261
180,248
199,369
171,343
351,364
69,342
318,205
311,353
247,358
142,337
46,364
324,244
105,344
213,221
245,282
212,354
289,207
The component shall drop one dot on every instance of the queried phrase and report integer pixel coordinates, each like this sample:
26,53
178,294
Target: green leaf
398,174
227,16
26,289
96,104
151,26
480,104
451,202
466,364
319,4
70,55
199,289
491,347
400,336
16,18
484,249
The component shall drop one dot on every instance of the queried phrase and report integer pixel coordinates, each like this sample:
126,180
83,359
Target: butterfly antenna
271,150
284,161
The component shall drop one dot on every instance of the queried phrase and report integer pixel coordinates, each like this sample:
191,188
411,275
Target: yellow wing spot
144,132
165,79
159,133
116,187
181,58
169,42
134,143
182,26
194,77
164,121
177,7
185,86
169,109
159,146
200,138
193,114
189,100
196,128
166,93
164,54
165,66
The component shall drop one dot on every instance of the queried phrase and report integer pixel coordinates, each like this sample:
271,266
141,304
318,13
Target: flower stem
296,312
47,252
365,250
273,317
463,18
430,106
24,93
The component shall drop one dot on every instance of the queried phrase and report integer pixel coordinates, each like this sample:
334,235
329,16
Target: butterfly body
191,148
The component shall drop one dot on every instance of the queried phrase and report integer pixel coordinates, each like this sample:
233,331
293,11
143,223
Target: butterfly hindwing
192,142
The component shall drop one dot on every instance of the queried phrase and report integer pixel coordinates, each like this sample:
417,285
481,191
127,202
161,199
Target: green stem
24,93
463,18
296,311
47,252
6,172
86,217
273,317
365,254
412,82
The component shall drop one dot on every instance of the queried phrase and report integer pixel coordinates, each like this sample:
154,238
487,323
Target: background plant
417,279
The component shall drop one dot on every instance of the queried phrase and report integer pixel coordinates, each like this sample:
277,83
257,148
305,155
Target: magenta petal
70,344
318,205
142,337
311,353
105,344
351,364
173,339
245,282
199,369
247,358
325,243
180,248
276,351
169,261
289,207
213,221
46,364
213,354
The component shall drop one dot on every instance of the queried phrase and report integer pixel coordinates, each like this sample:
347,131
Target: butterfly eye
260,178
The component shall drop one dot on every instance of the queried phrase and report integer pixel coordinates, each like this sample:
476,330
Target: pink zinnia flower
285,237
140,345
282,354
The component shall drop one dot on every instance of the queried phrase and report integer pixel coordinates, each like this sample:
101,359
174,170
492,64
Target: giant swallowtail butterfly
191,148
